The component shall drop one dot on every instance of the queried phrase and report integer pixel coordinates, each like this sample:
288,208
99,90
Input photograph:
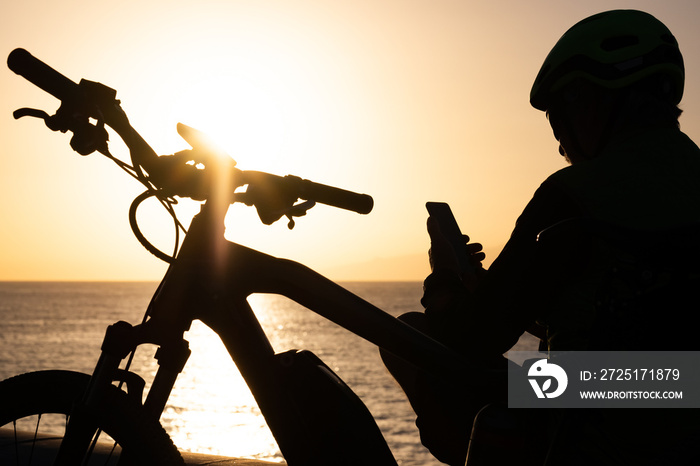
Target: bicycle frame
210,281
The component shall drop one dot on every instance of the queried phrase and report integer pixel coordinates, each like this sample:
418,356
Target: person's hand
442,256
476,255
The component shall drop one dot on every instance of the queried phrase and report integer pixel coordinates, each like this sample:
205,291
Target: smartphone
442,213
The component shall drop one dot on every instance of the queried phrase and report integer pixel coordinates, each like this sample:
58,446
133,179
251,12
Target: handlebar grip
336,197
42,75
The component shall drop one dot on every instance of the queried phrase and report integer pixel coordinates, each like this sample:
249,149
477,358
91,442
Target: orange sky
407,100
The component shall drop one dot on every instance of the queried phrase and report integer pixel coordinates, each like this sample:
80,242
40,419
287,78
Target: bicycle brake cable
133,222
151,191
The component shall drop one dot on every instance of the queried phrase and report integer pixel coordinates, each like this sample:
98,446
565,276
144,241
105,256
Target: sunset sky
408,101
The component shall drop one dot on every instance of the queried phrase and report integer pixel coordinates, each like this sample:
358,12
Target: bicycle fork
121,339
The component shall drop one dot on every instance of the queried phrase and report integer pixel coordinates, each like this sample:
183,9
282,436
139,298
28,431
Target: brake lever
87,138
31,112
75,117
57,122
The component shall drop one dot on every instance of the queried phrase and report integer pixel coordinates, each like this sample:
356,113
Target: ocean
60,325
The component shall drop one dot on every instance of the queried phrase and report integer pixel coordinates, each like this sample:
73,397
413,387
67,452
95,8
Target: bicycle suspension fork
121,339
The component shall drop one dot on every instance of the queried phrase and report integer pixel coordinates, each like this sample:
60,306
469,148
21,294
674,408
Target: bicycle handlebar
42,75
265,188
271,194
336,197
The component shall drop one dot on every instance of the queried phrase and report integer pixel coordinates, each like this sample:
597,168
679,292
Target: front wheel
35,408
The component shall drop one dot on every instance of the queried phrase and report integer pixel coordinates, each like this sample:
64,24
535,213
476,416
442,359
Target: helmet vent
619,42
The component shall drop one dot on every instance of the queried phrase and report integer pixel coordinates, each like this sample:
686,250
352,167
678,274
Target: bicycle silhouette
313,415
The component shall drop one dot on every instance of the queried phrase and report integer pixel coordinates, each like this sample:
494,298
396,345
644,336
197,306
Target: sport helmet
613,49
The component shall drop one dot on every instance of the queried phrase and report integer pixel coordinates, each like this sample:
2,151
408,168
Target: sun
261,115
243,116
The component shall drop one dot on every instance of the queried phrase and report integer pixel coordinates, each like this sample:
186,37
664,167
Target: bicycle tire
56,391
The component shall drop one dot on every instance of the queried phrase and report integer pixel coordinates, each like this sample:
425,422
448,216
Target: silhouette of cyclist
610,88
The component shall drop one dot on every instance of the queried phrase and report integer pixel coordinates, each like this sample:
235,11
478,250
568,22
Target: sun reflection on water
211,409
